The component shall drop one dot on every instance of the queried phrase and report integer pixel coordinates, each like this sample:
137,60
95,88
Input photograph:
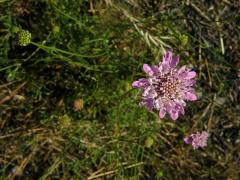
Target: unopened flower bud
24,37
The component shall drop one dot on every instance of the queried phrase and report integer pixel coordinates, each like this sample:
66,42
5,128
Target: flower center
165,87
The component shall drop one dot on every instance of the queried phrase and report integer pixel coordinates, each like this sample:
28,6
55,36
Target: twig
200,46
7,84
222,44
113,171
205,111
199,11
13,93
31,131
165,140
19,169
51,169
157,41
211,113
209,76
220,36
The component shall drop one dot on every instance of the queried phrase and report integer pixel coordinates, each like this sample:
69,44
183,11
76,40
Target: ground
67,107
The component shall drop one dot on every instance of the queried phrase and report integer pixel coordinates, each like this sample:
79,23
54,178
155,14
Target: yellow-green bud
184,39
56,29
15,29
64,121
149,142
24,37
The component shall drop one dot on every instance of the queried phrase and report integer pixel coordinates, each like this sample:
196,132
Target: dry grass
67,109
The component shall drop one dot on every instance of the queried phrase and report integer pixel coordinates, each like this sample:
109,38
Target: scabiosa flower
166,88
197,140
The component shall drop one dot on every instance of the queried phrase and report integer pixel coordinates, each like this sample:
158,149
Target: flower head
197,140
166,88
24,37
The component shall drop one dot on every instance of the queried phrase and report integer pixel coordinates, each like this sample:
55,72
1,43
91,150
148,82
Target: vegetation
67,107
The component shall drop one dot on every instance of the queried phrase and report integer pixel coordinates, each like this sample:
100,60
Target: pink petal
150,70
189,82
135,84
162,113
188,140
148,103
168,108
182,69
141,83
180,108
165,67
149,92
191,96
191,74
168,57
183,75
174,115
174,62
147,68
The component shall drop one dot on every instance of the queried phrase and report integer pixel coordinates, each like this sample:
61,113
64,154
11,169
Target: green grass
89,52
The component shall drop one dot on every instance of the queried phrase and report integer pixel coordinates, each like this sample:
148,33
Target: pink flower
197,140
166,88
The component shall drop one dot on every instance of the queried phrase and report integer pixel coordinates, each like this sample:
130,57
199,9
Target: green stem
63,51
7,67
